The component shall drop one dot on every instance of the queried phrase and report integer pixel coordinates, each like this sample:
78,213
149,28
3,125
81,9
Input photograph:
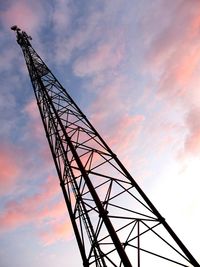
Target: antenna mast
114,222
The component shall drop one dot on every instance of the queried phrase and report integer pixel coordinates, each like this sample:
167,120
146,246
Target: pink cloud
106,56
174,59
187,66
35,126
53,213
47,218
58,231
192,141
112,94
180,72
90,31
9,56
32,110
43,211
61,16
65,46
33,208
125,132
174,51
111,112
35,131
10,167
195,24
23,13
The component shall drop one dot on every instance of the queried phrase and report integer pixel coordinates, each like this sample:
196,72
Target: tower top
15,28
22,37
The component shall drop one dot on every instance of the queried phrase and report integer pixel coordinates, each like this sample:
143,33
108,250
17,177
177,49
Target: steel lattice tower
114,222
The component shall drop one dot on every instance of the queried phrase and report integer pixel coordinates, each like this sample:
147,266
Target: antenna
115,223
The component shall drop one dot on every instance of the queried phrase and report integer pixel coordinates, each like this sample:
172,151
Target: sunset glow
133,67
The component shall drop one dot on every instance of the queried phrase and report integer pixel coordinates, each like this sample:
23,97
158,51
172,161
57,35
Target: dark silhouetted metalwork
114,222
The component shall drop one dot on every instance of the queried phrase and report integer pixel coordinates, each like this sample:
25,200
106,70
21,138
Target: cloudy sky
133,67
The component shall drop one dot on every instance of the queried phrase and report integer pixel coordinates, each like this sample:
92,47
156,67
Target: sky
133,68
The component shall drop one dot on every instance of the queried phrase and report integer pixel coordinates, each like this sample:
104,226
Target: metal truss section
114,222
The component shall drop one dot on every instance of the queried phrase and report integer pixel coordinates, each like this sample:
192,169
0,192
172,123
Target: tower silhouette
114,222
